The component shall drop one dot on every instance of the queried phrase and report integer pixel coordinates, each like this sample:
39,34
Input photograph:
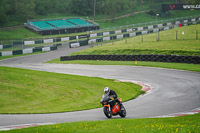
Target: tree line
28,9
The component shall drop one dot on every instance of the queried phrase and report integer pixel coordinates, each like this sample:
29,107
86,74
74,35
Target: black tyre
107,112
122,112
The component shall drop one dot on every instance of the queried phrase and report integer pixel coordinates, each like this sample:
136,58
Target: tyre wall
154,58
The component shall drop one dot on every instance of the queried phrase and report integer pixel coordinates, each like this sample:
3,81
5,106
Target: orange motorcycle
112,107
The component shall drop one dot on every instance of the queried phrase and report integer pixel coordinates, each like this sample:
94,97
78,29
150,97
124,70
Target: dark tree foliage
22,10
82,7
3,9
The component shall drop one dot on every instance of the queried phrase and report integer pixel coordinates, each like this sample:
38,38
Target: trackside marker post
136,62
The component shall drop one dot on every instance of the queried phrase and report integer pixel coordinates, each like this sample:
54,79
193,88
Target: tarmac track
172,91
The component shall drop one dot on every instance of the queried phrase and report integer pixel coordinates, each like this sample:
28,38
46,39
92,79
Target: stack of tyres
195,60
128,57
138,57
180,59
155,58
121,57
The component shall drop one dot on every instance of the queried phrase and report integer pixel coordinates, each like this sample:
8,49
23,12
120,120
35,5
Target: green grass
179,66
185,124
18,33
143,17
185,45
28,91
22,33
161,47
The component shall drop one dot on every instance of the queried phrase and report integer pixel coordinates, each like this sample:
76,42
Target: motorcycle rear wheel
107,113
122,111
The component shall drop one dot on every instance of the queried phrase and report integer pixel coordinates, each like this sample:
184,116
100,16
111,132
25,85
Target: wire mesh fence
143,34
149,23
171,35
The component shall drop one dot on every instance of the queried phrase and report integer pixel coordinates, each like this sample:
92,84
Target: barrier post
196,34
176,35
112,40
136,62
158,36
12,44
142,39
22,43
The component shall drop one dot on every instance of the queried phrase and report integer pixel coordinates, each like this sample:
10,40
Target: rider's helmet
106,90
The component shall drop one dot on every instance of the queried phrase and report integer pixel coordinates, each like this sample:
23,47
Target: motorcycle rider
112,94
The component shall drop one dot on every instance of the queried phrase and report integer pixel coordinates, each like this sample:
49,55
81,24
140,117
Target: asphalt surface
172,91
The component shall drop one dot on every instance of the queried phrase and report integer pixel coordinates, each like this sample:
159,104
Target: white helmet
106,90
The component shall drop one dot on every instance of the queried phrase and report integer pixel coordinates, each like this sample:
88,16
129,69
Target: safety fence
28,50
154,58
149,27
178,34
124,33
106,36
186,18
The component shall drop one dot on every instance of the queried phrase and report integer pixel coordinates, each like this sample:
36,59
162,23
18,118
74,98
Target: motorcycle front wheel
107,112
122,112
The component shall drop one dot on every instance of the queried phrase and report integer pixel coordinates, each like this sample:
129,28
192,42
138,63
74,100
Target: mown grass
186,44
185,124
18,33
23,33
28,91
179,66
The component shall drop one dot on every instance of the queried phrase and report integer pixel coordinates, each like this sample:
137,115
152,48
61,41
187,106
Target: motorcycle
111,107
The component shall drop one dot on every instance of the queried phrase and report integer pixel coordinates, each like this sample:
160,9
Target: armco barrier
27,51
155,58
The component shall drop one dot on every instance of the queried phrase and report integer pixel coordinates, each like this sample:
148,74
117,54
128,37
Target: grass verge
28,91
184,124
179,66
186,44
23,33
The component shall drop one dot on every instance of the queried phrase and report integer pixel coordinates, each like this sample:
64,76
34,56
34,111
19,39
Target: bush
152,12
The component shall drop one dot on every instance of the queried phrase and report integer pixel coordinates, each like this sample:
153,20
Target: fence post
22,43
158,37
197,35
12,44
142,38
176,35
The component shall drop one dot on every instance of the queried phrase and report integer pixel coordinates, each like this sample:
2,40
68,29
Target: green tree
25,8
81,7
188,1
111,7
132,5
115,6
3,8
193,1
